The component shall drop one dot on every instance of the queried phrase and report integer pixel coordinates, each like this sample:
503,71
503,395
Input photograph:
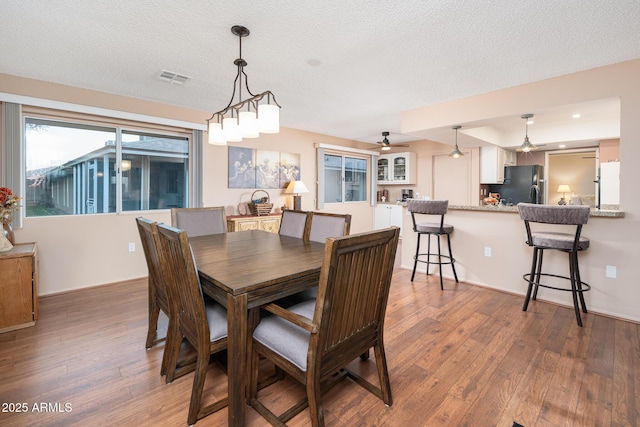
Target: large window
345,179
74,168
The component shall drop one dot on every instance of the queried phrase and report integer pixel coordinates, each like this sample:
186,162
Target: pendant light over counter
456,153
526,145
246,118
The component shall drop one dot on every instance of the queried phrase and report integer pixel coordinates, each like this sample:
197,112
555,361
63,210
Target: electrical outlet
487,251
610,271
132,247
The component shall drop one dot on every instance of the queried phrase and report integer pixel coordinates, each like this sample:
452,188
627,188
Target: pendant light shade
268,118
526,146
216,136
456,153
247,118
249,124
231,129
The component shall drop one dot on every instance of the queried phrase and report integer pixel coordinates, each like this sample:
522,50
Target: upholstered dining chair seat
557,240
217,319
288,340
433,227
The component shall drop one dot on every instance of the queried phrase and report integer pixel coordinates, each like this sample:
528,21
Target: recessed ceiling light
576,116
562,146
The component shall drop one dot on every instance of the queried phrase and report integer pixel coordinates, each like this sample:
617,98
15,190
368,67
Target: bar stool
431,207
571,243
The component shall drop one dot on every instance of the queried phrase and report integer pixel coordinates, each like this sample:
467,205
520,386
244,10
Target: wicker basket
263,207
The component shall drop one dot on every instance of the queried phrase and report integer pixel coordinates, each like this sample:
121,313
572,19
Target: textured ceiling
342,68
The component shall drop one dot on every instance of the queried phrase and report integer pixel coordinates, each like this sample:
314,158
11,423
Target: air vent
171,77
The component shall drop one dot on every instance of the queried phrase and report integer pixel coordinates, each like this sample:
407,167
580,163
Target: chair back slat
180,274
428,207
352,295
325,225
200,221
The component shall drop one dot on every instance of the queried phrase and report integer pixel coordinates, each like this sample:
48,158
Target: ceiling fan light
268,118
216,135
385,148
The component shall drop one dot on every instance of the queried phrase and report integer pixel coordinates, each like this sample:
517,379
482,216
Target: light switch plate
610,271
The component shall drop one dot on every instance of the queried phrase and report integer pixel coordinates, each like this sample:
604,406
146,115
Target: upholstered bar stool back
571,243
437,208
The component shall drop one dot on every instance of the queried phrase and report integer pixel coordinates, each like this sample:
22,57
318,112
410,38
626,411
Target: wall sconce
296,187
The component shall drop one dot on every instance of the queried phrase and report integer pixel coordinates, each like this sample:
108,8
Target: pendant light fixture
526,145
456,153
246,118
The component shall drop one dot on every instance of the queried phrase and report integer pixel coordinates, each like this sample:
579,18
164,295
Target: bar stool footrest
435,256
585,286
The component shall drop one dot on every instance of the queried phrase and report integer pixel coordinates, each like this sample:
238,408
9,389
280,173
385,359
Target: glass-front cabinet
397,168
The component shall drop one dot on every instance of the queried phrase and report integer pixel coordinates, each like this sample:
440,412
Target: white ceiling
341,68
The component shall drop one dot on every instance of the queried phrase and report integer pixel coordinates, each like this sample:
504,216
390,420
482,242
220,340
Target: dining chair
315,340
325,225
295,223
556,220
158,299
202,324
200,221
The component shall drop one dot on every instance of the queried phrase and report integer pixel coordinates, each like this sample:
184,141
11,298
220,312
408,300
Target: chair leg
440,263
172,350
315,401
383,374
579,284
574,287
154,313
532,276
198,385
538,274
415,258
453,261
428,252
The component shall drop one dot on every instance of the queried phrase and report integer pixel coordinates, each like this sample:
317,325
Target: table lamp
564,189
296,187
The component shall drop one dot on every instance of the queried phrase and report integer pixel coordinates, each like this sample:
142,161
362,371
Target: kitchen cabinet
387,215
397,168
270,223
492,162
18,287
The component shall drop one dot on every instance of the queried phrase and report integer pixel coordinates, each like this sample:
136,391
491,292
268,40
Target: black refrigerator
523,184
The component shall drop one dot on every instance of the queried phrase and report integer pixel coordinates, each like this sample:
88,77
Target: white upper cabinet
492,162
397,168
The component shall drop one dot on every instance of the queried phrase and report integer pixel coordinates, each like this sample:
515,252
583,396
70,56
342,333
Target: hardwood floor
465,356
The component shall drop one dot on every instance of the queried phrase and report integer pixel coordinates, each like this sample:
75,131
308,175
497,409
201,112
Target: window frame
119,127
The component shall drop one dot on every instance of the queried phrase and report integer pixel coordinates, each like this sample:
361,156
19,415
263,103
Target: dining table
242,271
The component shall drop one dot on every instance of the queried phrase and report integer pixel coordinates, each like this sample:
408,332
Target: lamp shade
296,187
564,188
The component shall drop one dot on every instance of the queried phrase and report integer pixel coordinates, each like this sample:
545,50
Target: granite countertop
606,213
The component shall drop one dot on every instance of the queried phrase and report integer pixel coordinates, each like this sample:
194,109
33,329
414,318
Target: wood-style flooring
465,356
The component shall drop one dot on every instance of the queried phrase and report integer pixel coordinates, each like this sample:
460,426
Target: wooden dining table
244,270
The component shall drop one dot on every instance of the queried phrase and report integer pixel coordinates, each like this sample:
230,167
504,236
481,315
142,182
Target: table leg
237,357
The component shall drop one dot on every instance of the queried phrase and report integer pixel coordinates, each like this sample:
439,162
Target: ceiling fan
386,145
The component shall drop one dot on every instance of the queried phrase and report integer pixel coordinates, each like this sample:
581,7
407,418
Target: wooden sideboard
19,287
270,223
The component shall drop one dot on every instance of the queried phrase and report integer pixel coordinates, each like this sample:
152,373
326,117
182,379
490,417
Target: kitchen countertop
605,213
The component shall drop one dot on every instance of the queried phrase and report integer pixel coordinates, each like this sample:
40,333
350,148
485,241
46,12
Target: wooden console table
270,223
19,287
